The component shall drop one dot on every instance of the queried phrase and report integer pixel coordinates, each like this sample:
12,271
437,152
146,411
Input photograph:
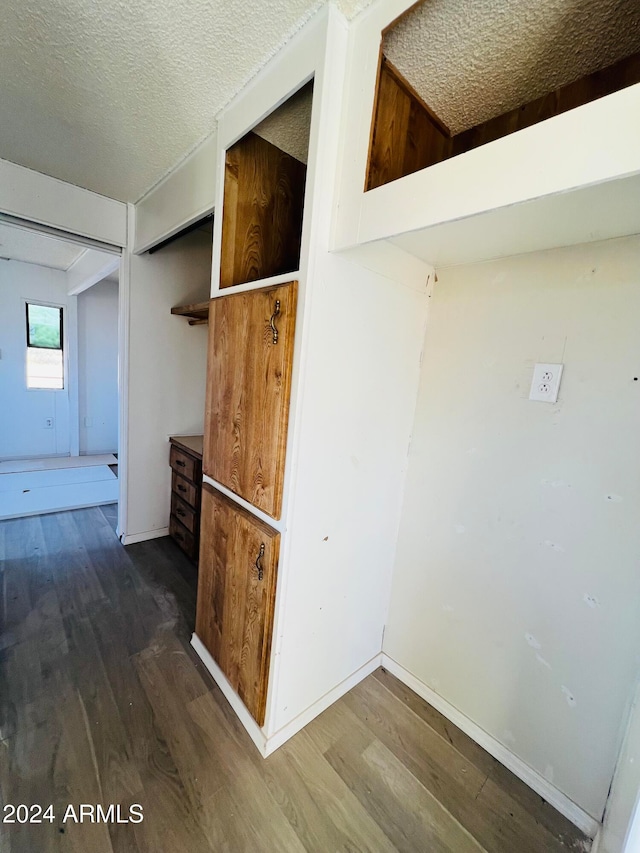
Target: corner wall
622,818
516,589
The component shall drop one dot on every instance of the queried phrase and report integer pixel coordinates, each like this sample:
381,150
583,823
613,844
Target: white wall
98,368
167,368
362,365
22,424
516,590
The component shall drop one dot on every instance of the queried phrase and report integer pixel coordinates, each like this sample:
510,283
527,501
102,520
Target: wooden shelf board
198,312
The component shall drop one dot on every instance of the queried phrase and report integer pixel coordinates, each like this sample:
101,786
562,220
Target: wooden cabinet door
236,595
248,387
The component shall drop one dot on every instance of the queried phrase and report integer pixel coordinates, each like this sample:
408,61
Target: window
45,364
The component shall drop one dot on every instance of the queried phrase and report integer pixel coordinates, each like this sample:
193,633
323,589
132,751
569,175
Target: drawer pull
258,563
181,488
181,463
276,312
181,513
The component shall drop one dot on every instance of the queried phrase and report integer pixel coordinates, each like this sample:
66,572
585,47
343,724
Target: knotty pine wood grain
110,696
262,212
235,609
248,389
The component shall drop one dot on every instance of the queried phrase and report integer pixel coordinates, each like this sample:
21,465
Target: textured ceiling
289,126
111,94
471,61
19,244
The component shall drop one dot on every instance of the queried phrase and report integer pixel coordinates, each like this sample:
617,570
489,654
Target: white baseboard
143,537
253,729
291,728
517,766
267,745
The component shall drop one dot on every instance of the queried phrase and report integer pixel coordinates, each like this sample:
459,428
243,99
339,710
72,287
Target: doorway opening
59,315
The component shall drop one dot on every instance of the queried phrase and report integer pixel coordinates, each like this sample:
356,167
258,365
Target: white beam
39,198
90,268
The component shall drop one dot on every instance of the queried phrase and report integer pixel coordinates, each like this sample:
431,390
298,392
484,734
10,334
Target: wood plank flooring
102,700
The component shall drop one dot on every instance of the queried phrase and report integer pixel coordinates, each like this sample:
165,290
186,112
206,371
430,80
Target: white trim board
267,745
526,774
276,523
134,538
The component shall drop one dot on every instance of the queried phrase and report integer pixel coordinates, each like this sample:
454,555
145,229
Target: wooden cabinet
236,595
249,366
185,458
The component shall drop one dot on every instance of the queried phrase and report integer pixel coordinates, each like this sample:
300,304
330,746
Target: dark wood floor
103,701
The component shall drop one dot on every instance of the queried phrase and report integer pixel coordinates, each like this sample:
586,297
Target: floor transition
102,701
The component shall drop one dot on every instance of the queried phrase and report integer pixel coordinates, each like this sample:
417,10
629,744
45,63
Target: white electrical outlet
546,382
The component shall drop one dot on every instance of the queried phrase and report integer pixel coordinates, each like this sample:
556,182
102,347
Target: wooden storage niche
454,76
264,188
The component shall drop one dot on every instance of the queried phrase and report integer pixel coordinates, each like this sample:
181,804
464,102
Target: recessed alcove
264,190
455,76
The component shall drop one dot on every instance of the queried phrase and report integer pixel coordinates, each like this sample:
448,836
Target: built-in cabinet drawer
183,464
185,514
185,458
187,491
183,537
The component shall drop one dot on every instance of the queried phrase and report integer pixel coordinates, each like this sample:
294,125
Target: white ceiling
111,94
31,247
471,60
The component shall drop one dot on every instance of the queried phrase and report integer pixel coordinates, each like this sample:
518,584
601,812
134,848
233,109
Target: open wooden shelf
406,133
264,189
198,312
262,214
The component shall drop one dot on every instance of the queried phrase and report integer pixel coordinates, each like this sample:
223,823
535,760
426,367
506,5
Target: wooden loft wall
407,136
590,88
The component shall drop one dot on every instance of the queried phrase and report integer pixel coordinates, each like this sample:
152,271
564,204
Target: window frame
61,349
60,308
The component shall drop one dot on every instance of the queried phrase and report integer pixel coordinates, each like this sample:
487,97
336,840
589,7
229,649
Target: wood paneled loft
419,116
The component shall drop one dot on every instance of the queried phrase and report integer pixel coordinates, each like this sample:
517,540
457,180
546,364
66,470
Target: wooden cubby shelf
197,312
264,189
407,135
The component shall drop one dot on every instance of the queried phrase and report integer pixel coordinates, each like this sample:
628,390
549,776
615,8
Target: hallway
103,701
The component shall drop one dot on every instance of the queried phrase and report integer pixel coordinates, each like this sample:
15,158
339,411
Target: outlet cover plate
546,382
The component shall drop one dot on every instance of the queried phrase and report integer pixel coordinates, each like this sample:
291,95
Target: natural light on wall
45,363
